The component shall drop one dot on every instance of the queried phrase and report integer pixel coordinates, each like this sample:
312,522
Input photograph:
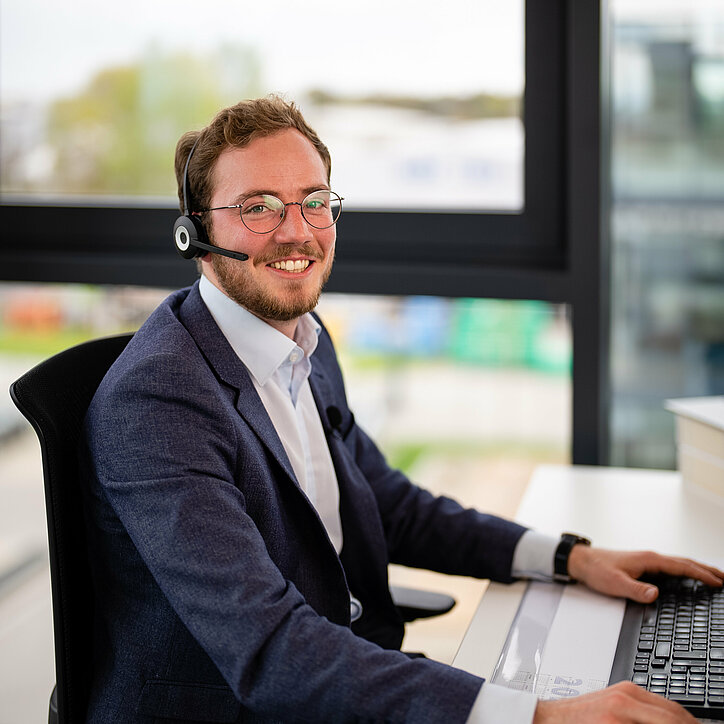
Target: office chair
54,396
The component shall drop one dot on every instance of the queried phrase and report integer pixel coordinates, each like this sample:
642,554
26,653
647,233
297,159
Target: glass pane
420,107
668,219
467,396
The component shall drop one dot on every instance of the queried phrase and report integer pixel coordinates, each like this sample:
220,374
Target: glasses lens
322,208
262,213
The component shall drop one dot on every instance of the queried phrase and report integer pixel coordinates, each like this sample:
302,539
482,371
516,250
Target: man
242,523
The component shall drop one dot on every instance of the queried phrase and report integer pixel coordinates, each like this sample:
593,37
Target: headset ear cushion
186,231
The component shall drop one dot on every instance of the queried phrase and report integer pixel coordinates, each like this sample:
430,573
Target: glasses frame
283,214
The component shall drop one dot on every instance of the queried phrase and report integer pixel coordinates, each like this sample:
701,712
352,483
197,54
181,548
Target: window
422,110
667,220
542,243
498,404
425,113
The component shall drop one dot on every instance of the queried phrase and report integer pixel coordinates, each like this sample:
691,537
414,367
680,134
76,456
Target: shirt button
295,356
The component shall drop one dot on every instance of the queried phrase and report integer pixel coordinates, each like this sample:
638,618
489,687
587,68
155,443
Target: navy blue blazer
219,595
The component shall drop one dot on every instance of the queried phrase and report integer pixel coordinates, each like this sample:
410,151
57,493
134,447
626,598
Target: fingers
643,592
622,583
710,575
656,563
624,703
655,708
616,573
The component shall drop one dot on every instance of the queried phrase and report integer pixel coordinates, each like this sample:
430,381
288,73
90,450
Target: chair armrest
413,603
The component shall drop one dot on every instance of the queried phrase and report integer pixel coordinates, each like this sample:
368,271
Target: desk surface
617,508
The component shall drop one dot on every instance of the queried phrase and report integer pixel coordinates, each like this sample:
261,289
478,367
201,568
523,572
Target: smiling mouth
296,266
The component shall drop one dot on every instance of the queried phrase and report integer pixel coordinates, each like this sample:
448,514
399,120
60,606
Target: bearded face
287,267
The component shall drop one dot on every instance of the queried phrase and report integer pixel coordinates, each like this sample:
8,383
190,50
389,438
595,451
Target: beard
247,292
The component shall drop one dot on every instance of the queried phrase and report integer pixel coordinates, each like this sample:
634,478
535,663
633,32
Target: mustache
289,250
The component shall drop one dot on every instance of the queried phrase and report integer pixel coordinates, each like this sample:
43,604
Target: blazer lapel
364,553
197,319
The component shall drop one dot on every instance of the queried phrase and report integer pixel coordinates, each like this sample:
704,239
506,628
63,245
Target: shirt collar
261,348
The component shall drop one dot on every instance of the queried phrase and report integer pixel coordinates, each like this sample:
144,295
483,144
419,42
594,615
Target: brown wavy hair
236,127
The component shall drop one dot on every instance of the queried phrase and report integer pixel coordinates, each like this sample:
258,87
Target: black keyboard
675,646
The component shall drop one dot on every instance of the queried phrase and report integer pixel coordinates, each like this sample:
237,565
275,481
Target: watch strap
563,552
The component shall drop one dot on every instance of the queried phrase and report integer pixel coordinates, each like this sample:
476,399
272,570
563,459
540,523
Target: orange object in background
36,313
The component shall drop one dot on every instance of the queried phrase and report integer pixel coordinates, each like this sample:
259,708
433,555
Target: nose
294,227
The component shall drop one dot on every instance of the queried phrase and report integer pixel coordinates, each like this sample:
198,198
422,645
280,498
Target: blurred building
667,221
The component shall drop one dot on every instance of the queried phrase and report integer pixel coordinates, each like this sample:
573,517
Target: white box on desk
700,440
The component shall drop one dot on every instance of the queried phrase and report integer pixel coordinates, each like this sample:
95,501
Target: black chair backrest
54,397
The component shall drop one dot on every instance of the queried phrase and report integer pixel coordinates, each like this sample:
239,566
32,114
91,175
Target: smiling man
241,523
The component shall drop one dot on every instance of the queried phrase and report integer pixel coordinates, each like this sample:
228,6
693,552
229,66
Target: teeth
291,266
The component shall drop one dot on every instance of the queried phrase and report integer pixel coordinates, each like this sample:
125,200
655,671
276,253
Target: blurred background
466,395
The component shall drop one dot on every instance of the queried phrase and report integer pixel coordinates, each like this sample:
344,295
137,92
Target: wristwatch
563,552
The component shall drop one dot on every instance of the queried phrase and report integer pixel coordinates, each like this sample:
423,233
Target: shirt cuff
533,557
497,703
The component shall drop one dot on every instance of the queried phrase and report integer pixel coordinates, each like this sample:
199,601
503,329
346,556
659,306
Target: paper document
562,641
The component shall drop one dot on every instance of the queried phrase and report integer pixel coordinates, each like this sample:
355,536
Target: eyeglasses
263,213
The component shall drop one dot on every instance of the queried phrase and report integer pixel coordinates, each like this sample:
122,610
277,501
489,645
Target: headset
189,234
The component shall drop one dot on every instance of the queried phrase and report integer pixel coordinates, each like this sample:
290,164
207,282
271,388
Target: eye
258,205
318,202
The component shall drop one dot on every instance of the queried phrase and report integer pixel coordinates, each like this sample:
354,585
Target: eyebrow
267,192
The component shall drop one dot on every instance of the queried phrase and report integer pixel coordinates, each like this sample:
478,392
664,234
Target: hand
623,703
615,572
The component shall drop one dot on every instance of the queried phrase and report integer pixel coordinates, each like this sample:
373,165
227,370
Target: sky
49,49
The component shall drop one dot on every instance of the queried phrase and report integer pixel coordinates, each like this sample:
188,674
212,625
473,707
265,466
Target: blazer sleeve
423,530
165,459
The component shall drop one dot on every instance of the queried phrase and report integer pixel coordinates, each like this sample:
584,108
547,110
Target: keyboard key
692,655
683,698
663,650
716,654
640,679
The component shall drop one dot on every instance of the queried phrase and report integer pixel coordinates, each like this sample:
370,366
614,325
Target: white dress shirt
279,368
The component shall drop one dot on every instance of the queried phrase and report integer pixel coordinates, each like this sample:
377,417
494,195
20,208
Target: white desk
617,508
